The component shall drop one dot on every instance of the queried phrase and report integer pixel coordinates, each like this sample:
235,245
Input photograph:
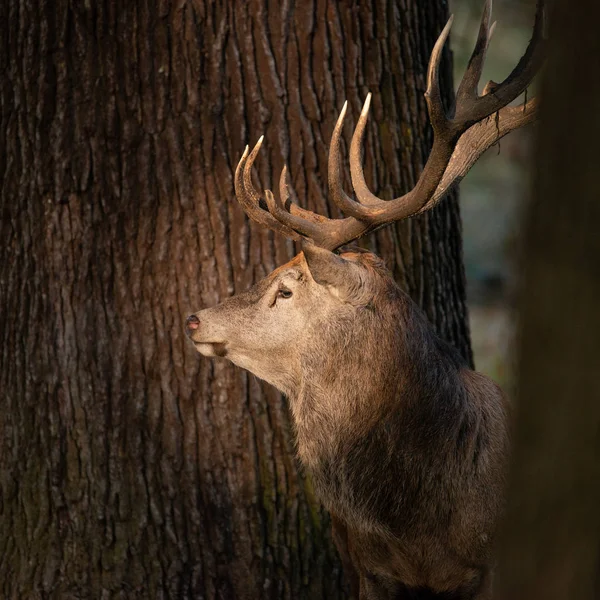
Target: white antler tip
366,105
340,119
446,30
257,145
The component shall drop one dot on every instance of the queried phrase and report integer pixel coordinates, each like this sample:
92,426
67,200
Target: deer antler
460,138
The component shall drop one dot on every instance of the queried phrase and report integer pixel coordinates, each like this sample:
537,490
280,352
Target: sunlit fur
405,444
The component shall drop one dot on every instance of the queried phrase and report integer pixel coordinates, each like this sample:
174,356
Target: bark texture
551,549
131,467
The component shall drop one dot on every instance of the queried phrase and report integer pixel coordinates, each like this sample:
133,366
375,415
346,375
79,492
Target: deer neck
330,411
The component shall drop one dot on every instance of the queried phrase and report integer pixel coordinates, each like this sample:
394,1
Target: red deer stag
406,445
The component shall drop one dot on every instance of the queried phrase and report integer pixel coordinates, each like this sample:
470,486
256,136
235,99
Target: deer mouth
209,349
206,347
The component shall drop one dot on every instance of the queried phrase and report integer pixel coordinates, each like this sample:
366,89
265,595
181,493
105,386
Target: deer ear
341,276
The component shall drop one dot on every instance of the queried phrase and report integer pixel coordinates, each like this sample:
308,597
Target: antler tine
284,192
291,206
433,96
471,110
306,222
248,185
364,210
345,203
249,198
467,90
303,226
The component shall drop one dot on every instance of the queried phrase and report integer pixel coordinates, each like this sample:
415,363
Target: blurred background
494,193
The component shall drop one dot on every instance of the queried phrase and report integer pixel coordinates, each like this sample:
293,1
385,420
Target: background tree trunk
551,547
132,467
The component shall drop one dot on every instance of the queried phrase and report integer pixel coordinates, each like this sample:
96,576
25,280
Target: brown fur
405,444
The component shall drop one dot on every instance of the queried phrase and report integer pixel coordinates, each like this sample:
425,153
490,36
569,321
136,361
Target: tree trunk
131,467
551,546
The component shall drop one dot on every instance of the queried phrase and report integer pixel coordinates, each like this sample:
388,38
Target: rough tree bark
551,547
131,467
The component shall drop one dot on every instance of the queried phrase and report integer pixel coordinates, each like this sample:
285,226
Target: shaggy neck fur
391,385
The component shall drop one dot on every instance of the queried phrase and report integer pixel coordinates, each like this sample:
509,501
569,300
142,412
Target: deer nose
192,323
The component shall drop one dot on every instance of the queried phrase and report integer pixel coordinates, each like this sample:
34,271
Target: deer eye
284,293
